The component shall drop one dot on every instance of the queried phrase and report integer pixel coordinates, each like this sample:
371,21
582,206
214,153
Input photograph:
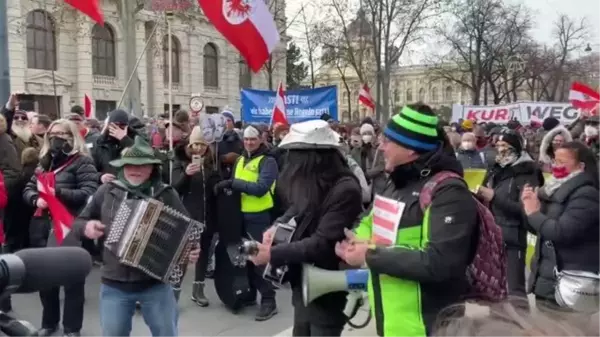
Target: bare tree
395,25
310,31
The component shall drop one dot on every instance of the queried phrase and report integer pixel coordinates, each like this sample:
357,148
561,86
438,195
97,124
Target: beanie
118,117
550,123
77,109
229,115
367,128
414,130
367,120
513,139
467,125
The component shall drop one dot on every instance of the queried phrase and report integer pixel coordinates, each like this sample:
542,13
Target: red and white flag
61,218
278,115
87,107
90,8
247,24
365,98
584,98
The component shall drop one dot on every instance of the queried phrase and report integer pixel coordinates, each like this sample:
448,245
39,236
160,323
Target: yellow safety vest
250,172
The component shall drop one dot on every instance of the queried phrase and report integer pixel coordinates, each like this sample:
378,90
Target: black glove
221,185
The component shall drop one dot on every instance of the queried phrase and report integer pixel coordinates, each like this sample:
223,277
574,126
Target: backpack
487,271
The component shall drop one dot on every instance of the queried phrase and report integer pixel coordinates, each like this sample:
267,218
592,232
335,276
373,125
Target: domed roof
360,27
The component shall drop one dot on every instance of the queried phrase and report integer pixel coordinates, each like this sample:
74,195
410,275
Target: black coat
507,183
314,243
107,149
567,230
74,185
196,191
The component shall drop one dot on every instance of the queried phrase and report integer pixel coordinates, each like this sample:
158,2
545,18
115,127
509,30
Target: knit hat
77,109
140,153
414,130
467,125
229,115
196,137
550,123
367,120
513,124
181,120
367,128
118,117
513,139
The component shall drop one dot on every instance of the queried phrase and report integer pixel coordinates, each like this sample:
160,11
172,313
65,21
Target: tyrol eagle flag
247,24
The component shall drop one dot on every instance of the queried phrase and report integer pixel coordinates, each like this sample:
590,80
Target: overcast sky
545,12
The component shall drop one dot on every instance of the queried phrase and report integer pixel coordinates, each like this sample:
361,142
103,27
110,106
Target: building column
84,83
17,45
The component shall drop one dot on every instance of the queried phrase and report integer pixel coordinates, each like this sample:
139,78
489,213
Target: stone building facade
55,51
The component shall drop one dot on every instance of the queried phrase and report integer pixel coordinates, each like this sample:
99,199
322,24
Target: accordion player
153,238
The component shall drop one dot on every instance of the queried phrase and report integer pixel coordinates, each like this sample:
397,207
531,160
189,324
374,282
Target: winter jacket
108,149
360,175
19,143
567,230
196,191
507,183
471,159
256,223
91,137
10,162
424,271
103,206
3,203
75,183
231,143
546,152
314,243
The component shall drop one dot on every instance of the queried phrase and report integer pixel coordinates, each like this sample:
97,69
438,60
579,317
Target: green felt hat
141,153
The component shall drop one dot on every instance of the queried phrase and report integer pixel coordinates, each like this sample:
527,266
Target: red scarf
83,133
61,218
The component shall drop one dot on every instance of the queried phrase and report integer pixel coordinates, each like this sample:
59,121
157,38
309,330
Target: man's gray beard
23,132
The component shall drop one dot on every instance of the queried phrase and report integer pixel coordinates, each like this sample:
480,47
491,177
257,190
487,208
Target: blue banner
300,105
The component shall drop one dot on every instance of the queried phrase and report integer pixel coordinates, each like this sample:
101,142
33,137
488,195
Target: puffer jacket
546,152
567,230
507,183
107,149
75,183
471,159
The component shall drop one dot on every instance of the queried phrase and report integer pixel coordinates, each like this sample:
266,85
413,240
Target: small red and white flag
90,8
61,218
278,116
87,107
365,98
247,24
584,98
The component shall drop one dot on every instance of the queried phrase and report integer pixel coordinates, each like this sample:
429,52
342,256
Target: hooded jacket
424,271
507,183
545,158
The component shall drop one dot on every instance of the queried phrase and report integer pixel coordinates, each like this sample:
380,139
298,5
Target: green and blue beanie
414,130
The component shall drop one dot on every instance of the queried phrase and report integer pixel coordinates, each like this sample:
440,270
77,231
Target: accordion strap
137,193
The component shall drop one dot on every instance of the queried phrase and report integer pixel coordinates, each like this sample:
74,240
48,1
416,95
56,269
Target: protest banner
522,111
300,105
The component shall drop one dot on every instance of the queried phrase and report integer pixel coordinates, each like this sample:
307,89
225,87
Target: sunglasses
21,118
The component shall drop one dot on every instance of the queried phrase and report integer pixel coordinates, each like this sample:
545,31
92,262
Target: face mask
506,157
590,131
559,171
367,139
453,129
60,145
467,145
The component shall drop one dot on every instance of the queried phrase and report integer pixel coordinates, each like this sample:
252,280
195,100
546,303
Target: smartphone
197,159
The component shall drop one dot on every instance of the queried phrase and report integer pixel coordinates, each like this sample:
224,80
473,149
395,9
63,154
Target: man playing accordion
122,285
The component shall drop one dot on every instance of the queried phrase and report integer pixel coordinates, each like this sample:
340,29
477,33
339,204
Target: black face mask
59,146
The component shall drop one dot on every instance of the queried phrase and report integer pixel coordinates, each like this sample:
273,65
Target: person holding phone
194,177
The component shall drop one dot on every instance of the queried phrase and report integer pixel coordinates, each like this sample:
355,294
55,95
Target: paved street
215,320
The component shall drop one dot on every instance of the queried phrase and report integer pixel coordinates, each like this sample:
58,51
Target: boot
177,292
198,294
268,309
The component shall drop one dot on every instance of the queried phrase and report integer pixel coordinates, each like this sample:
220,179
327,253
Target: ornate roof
360,27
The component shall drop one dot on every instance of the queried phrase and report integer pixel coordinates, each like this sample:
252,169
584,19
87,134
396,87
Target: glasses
59,134
21,118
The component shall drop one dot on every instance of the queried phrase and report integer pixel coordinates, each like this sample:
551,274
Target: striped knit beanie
414,130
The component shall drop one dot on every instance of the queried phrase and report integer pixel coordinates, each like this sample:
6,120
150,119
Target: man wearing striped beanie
416,257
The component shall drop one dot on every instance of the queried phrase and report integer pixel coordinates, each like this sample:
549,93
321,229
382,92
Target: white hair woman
70,177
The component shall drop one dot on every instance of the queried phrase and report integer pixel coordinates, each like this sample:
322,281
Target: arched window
103,51
41,41
409,97
434,95
211,66
448,94
421,95
175,52
245,75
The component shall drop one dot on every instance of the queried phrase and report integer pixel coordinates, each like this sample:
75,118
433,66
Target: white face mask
590,131
468,145
367,139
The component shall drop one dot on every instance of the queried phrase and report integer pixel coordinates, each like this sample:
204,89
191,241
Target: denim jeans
159,310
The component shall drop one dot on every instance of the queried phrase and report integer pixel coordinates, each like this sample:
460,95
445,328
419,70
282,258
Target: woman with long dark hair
564,215
324,198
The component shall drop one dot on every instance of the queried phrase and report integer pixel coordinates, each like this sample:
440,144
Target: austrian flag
364,97
584,98
62,220
247,25
278,116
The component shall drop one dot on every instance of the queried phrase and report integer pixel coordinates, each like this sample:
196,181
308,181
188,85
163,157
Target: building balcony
105,80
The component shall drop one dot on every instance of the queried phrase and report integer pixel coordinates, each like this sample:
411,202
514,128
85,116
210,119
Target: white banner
522,111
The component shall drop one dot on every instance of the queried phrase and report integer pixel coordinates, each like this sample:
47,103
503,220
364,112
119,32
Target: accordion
154,238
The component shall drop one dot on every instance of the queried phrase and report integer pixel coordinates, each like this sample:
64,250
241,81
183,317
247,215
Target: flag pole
137,63
169,15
